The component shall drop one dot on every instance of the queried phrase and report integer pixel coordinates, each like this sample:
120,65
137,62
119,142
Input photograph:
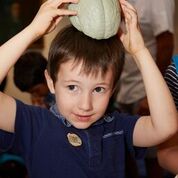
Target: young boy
78,138
29,77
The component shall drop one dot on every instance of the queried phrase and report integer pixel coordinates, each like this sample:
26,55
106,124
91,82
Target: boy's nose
85,102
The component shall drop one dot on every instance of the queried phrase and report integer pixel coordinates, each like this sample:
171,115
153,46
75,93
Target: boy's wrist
141,55
34,35
140,52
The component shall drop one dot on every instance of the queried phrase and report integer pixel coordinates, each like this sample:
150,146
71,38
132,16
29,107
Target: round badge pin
74,139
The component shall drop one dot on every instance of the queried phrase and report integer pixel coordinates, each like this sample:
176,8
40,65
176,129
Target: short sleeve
29,123
128,124
6,141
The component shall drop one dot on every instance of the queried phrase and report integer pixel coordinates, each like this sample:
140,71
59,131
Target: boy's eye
99,89
72,87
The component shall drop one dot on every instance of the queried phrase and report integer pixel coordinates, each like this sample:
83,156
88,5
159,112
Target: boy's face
82,99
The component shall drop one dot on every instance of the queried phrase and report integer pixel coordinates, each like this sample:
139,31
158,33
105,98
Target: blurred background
14,91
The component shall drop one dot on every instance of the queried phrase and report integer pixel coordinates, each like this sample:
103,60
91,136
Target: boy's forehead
72,68
81,67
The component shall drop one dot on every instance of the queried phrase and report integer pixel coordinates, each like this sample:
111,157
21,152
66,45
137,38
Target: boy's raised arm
162,122
48,16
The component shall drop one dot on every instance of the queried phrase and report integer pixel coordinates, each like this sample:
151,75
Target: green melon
99,19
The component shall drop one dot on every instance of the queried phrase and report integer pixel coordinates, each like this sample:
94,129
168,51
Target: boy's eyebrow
103,83
76,81
72,81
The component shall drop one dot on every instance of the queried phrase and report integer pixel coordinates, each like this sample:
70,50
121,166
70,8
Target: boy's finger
66,12
127,5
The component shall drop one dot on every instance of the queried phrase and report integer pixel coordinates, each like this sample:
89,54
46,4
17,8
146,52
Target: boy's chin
82,125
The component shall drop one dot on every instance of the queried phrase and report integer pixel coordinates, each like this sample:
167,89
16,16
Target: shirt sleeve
6,140
162,16
29,123
128,124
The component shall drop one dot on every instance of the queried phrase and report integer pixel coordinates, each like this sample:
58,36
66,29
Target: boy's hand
132,38
49,15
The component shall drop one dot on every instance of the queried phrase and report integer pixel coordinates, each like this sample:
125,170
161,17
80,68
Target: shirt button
74,139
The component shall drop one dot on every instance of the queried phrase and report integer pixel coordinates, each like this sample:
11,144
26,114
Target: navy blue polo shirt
41,139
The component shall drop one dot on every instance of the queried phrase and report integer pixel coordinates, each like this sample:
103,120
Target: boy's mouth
83,118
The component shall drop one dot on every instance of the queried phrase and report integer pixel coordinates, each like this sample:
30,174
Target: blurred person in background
168,151
29,77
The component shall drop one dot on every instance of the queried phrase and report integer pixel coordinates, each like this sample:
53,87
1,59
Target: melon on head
99,19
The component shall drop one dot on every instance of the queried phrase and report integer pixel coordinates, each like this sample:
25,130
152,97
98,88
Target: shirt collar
54,110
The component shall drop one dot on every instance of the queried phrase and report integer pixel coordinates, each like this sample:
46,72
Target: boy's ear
49,82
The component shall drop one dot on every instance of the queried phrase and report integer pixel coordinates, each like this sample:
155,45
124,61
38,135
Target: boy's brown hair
95,55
